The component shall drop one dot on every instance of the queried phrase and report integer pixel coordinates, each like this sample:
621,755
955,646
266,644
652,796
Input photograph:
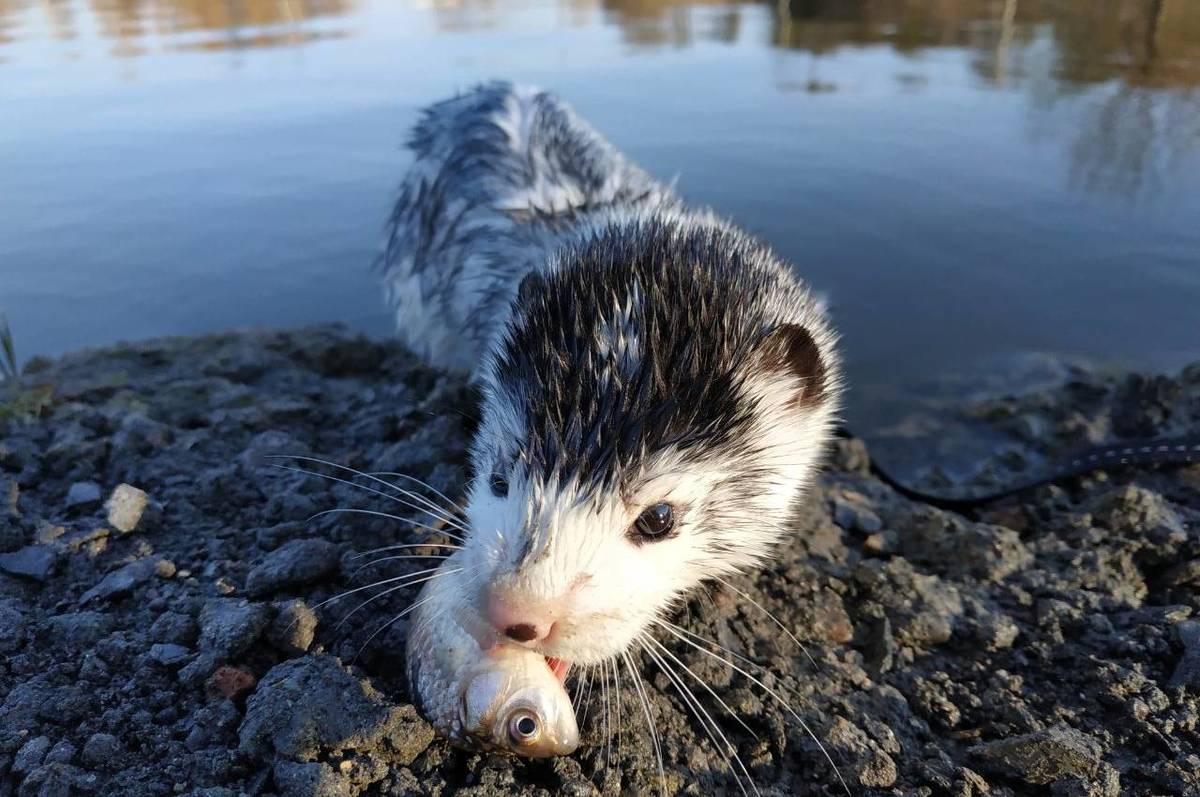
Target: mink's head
656,405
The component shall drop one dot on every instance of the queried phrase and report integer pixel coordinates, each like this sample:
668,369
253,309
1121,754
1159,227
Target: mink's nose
521,632
520,620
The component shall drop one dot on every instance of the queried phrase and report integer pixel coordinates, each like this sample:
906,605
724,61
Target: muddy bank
162,630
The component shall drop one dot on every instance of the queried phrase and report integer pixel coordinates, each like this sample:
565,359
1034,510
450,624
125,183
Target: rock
923,609
126,508
1187,671
122,582
34,562
59,780
12,625
955,547
229,683
83,494
878,771
312,704
1105,783
169,655
103,751
229,626
1043,757
309,780
173,627
294,626
31,755
62,753
293,564
79,630
47,533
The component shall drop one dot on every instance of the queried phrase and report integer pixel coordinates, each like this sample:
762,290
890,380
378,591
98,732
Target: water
968,181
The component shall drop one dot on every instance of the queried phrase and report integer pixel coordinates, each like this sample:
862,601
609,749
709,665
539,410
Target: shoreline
1048,644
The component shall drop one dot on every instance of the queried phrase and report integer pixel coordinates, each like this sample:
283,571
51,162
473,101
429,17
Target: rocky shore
163,629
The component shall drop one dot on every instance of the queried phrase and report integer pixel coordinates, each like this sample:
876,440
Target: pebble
34,562
293,564
83,493
126,507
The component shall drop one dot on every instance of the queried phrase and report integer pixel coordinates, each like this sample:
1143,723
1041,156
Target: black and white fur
631,351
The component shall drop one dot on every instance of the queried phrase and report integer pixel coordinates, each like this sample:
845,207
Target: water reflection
183,24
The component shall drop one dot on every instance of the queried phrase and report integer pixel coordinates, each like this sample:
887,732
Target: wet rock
312,704
128,507
103,751
33,562
1043,757
82,494
121,582
294,626
293,564
309,780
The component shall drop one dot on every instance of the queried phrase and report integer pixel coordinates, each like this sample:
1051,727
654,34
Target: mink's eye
499,484
655,523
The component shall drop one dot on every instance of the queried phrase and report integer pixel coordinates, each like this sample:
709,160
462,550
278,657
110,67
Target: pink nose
520,623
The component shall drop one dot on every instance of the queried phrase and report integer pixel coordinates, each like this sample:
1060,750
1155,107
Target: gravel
166,613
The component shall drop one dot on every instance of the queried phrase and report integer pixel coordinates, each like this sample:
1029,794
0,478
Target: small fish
495,697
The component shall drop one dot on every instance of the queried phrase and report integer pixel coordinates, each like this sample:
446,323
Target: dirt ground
166,637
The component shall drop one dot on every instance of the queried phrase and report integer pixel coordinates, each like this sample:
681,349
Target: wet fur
629,350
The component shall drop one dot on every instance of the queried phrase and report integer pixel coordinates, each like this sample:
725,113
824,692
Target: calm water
967,180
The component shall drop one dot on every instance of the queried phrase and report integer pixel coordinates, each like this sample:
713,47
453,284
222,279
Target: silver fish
494,696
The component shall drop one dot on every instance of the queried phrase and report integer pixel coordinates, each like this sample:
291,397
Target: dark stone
122,582
34,562
1042,757
310,705
293,564
83,494
103,751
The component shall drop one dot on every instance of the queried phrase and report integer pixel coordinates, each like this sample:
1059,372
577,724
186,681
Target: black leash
1112,456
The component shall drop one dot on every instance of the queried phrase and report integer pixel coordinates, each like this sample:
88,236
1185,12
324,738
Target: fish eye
655,523
498,483
523,728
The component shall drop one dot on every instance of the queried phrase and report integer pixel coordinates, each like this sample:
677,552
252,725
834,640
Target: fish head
529,716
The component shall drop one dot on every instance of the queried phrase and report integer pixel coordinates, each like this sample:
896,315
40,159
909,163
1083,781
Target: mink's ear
531,284
790,349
